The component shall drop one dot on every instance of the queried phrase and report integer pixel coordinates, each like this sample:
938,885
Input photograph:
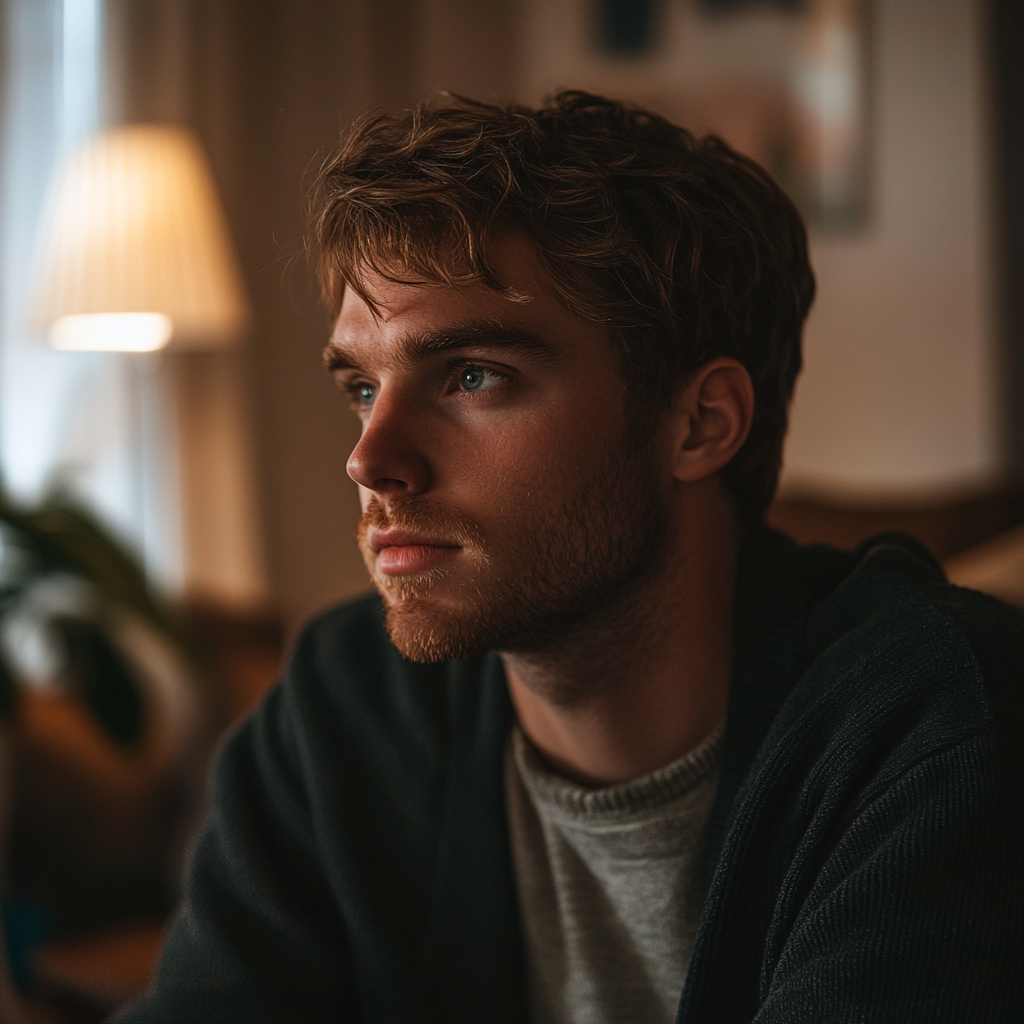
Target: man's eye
362,395
476,378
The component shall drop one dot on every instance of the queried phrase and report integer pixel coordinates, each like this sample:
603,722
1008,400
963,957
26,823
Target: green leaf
100,675
62,536
8,688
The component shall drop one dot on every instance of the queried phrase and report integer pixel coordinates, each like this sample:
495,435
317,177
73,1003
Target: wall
897,401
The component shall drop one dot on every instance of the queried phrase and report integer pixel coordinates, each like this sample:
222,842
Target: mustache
421,516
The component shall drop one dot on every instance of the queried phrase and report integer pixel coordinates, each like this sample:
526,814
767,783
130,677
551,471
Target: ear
711,418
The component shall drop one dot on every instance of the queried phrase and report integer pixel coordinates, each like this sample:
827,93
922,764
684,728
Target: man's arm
917,914
258,937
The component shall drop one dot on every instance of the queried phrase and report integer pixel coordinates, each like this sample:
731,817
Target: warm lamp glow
134,229
111,332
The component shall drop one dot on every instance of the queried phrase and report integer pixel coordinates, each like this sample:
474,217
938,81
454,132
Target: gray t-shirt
609,885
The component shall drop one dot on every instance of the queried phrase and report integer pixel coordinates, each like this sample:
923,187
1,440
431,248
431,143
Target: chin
431,618
430,628
425,633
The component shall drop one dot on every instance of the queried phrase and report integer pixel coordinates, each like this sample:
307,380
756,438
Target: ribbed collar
556,794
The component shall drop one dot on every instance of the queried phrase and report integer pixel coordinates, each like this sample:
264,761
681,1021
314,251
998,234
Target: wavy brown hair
684,248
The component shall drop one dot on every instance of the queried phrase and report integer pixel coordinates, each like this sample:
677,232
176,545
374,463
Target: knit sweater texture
864,852
609,884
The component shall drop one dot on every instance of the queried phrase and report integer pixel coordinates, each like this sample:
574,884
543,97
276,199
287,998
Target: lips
402,551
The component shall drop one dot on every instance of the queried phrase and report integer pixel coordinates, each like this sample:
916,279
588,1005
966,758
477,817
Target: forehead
405,311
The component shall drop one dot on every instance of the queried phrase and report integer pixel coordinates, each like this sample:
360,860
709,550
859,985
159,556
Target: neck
645,680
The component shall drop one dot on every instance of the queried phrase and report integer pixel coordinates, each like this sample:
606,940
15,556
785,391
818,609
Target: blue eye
472,379
479,378
362,395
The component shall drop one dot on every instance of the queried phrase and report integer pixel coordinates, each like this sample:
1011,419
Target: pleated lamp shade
134,251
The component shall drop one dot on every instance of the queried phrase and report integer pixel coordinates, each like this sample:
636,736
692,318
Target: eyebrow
413,348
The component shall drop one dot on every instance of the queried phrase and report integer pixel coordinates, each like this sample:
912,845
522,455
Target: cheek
533,465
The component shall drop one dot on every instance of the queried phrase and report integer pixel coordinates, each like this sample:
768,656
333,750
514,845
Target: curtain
68,420
225,470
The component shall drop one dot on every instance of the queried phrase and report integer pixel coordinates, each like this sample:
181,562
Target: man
706,772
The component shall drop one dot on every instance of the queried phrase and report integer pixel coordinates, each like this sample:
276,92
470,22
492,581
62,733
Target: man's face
504,497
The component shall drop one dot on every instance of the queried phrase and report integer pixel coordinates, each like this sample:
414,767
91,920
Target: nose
388,460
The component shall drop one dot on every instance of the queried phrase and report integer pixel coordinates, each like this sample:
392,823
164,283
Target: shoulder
871,816
350,634
899,664
895,619
344,682
347,696
853,668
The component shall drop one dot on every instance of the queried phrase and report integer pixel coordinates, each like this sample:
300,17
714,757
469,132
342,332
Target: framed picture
784,81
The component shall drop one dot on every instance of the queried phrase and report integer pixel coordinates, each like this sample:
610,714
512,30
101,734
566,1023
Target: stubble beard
537,576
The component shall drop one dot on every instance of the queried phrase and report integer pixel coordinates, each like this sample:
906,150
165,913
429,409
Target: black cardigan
866,851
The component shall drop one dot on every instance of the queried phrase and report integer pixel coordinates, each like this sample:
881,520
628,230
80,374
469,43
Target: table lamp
134,251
